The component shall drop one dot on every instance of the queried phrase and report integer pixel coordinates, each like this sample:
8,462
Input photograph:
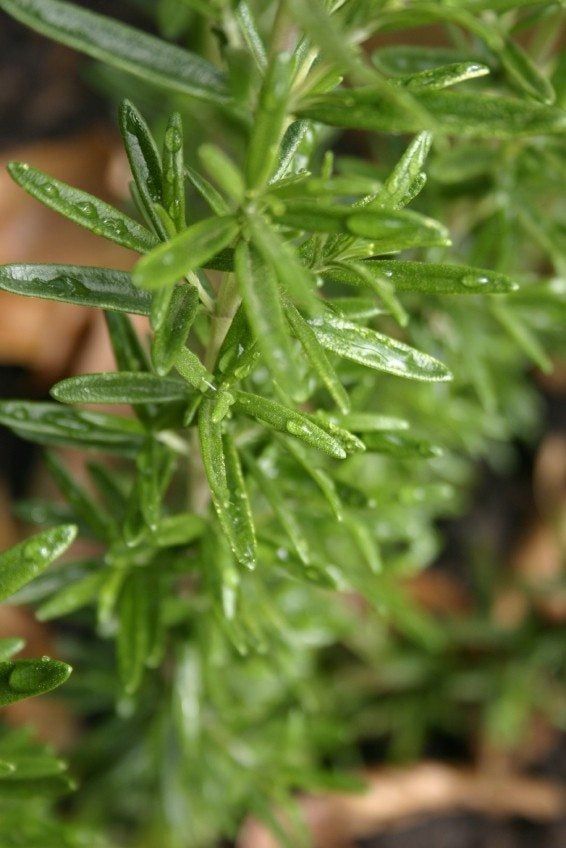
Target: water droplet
51,190
473,281
173,140
87,209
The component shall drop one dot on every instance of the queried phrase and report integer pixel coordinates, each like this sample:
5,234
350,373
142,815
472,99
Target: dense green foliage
307,404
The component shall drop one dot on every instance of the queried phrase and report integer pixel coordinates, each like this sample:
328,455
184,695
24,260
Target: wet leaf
398,188
294,278
173,186
120,387
21,679
286,420
442,77
24,561
171,333
83,286
55,424
186,252
317,357
374,350
463,114
321,479
82,208
429,277
261,299
193,371
121,46
269,120
267,484
227,487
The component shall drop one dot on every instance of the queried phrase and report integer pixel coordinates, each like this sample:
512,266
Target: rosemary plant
323,363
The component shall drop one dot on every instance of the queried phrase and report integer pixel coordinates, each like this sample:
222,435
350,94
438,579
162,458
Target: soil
463,830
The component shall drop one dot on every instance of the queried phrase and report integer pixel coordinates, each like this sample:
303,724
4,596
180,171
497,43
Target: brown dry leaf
438,593
397,794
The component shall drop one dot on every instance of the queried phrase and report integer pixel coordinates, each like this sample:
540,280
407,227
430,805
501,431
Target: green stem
226,305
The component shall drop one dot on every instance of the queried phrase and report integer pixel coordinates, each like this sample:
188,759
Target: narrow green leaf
121,387
71,598
355,308
389,230
260,295
173,188
10,646
208,192
177,530
400,445
36,765
374,350
121,46
142,153
291,142
382,286
284,513
285,420
189,250
402,59
464,162
111,487
193,371
317,357
144,159
155,464
82,208
304,185
442,77
457,113
269,119
250,33
389,234
130,355
138,610
221,168
227,488
85,507
365,543
397,189
23,562
171,334
429,277
321,479
523,71
55,424
83,286
371,422
39,511
128,350
522,335
21,679
294,278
